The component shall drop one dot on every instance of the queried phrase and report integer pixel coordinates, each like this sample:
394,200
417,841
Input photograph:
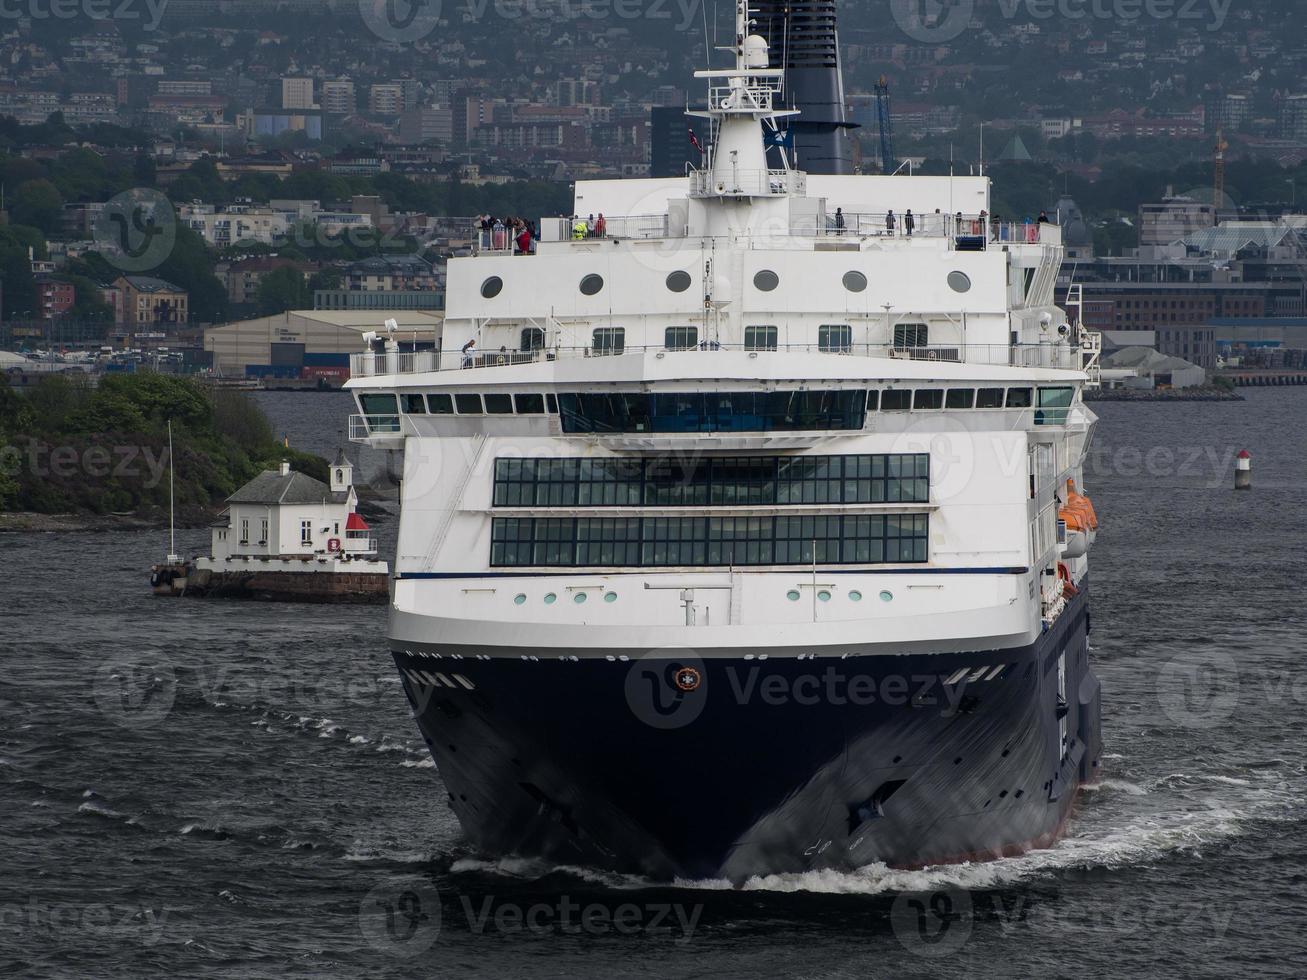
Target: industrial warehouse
310,345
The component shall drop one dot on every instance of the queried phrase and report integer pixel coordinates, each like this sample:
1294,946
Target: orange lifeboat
1078,512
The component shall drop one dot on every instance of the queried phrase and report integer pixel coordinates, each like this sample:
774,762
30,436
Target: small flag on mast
695,141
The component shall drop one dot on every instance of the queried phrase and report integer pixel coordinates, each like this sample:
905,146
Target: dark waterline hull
766,766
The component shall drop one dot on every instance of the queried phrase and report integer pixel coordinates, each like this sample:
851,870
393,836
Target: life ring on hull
1064,573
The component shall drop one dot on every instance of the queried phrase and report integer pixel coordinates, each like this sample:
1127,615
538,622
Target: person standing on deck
909,223
890,222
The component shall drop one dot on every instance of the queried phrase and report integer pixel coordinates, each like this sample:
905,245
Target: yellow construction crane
1218,170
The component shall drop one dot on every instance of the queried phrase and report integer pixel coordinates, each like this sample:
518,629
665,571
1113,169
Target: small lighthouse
1243,470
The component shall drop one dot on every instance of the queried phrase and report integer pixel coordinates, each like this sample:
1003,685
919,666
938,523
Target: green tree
281,290
190,266
38,204
87,304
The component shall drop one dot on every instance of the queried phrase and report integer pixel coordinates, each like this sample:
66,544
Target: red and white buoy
1243,470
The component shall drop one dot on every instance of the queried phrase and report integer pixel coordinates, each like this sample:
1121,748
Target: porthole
766,280
610,597
591,284
887,596
959,282
792,595
678,281
492,287
519,599
579,598
824,595
855,282
855,596
550,599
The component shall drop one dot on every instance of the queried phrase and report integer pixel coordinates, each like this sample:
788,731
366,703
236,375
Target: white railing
587,227
363,428
393,362
965,230
1059,355
747,183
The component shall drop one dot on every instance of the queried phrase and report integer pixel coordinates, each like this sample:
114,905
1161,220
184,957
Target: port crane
887,163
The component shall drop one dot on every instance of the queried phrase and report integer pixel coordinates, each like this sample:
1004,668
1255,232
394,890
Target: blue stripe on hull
767,766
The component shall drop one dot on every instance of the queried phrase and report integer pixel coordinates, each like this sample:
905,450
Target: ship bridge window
855,282
468,404
960,398
609,340
766,281
530,404
378,404
899,400
681,338
909,335
492,287
692,411
1054,405
762,337
928,398
989,398
414,404
678,281
835,338
709,541
440,404
533,338
1019,398
499,404
873,400
716,481
591,284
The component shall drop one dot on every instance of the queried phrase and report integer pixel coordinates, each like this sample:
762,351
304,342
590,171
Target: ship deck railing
748,183
1058,355
963,233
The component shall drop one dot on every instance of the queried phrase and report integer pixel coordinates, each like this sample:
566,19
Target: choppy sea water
236,790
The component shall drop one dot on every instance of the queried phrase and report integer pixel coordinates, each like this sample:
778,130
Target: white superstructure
746,416
736,283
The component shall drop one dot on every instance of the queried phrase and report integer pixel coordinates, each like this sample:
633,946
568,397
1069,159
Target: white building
338,97
296,522
297,93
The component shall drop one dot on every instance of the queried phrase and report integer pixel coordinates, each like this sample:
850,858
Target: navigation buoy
1243,470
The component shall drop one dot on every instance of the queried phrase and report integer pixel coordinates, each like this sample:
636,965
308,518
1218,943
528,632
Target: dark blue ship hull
733,767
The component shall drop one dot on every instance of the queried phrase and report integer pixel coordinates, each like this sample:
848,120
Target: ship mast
740,99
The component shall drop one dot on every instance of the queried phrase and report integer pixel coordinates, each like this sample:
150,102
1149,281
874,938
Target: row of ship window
765,280
747,411
713,481
708,541
832,338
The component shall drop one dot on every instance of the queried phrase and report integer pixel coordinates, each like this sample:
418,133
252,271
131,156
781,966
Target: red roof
356,523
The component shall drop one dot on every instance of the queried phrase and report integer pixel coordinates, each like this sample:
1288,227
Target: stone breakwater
1198,393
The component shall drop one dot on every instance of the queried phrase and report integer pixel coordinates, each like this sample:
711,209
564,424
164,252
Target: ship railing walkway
963,233
1059,355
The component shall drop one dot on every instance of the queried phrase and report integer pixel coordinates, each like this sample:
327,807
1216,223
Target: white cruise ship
748,538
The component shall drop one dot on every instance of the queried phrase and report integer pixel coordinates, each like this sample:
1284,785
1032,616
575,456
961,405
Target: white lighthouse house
290,521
